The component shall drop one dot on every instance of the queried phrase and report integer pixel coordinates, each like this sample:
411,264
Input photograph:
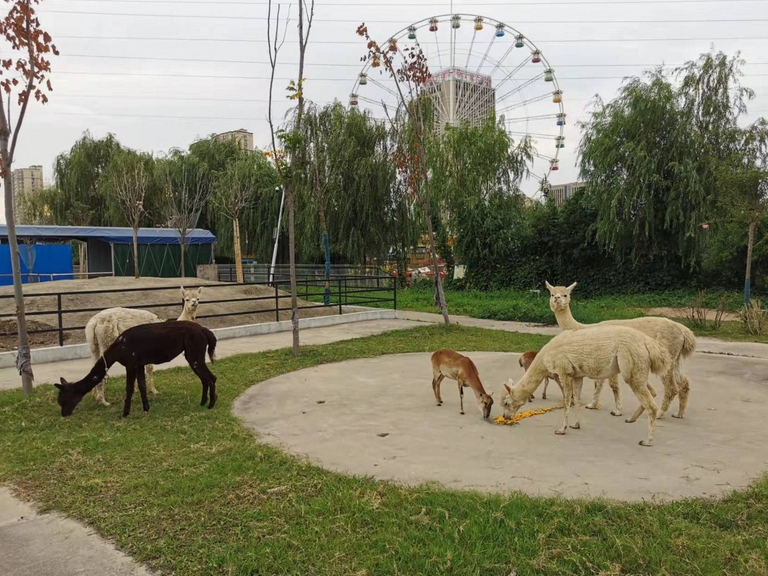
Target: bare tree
187,190
290,138
128,180
24,71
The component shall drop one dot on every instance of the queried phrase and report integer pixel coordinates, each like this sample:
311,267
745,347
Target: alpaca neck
187,315
97,373
532,378
566,321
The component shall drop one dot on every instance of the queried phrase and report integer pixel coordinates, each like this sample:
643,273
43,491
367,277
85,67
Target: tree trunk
81,256
327,252
238,255
23,361
292,262
748,275
136,253
439,294
183,253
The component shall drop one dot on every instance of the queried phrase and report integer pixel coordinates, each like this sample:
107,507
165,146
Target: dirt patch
683,313
255,304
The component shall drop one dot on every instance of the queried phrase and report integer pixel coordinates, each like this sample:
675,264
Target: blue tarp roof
109,234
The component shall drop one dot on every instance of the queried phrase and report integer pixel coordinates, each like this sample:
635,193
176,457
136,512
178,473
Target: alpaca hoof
560,432
576,426
125,415
592,407
644,443
629,421
104,403
616,413
675,416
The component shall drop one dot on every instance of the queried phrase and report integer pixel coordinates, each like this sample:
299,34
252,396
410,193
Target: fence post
340,311
394,297
277,303
61,322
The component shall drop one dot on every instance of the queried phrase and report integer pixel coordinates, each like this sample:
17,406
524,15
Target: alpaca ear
62,385
182,292
549,286
570,288
508,388
199,290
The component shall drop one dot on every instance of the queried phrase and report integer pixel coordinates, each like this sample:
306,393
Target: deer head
560,296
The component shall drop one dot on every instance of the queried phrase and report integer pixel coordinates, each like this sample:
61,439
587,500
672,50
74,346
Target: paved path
378,417
33,544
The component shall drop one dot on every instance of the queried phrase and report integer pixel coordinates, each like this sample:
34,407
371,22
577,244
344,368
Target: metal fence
369,276
345,290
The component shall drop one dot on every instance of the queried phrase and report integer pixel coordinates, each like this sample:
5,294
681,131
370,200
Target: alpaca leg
207,379
649,404
130,381
670,383
568,394
684,388
150,371
436,381
142,388
613,382
596,396
98,393
461,397
577,383
640,409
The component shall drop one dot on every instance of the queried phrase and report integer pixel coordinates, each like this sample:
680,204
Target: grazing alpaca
450,364
678,341
526,358
142,345
104,328
597,353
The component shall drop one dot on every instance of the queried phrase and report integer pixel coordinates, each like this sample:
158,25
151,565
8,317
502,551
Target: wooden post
238,255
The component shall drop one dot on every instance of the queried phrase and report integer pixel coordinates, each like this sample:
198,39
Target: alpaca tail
211,337
658,355
90,337
689,342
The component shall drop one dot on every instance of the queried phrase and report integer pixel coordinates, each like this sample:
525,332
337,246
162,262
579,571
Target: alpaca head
512,399
484,402
191,299
559,297
68,398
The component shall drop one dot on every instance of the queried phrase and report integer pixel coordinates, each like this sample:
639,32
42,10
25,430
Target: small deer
450,364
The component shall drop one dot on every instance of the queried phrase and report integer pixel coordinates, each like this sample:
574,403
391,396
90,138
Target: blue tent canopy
112,235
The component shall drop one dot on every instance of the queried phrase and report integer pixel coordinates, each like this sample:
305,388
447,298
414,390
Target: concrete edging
77,351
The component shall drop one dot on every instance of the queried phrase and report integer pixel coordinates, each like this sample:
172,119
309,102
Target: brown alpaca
145,344
450,364
526,358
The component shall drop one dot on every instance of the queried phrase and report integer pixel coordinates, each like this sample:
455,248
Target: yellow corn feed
523,415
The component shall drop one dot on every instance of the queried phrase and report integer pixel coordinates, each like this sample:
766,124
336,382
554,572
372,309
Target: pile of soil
80,295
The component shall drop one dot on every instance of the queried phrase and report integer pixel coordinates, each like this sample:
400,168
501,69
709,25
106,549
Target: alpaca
145,344
597,353
678,340
525,360
104,328
450,364
191,300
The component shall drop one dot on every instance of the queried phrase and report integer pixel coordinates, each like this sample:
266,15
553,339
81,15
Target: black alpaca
148,344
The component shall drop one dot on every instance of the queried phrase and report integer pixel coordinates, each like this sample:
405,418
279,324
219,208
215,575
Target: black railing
263,273
376,291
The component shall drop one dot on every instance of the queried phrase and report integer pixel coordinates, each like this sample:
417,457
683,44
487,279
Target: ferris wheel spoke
534,135
502,59
485,56
529,118
522,86
511,74
469,52
543,156
525,102
383,87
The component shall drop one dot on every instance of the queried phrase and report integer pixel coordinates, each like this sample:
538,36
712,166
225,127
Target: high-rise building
461,96
243,138
27,180
560,193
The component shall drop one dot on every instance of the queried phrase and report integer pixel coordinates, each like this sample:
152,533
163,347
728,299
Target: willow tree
651,157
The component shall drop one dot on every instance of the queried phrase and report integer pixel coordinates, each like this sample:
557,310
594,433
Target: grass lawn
191,491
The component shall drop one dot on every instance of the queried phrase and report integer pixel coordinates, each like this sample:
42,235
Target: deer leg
141,377
461,396
577,383
436,380
150,371
568,394
130,381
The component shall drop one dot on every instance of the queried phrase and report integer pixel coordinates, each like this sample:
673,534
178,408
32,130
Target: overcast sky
149,71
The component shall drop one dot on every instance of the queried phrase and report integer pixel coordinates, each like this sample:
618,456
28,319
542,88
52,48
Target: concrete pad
33,544
73,370
377,417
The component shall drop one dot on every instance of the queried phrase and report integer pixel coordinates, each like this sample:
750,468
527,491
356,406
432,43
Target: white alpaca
104,328
599,352
676,339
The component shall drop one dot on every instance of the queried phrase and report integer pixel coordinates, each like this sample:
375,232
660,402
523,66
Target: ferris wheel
479,66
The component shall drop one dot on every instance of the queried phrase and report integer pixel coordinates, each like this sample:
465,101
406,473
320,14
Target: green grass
191,491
